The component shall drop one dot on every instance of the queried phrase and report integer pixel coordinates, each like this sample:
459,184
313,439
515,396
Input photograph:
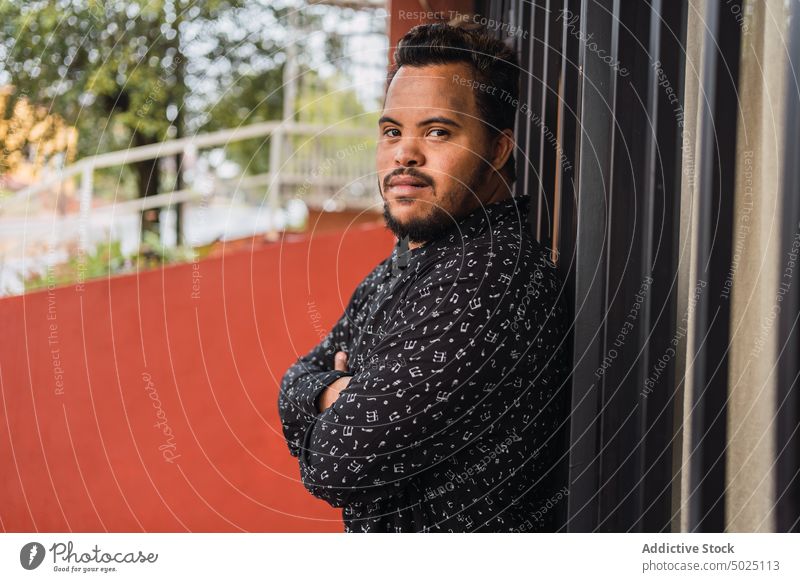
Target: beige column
753,279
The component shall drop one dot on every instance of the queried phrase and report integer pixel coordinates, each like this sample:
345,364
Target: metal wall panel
787,494
712,260
604,80
599,151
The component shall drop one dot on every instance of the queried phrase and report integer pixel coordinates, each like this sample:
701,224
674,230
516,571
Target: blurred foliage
135,72
323,101
107,259
152,253
252,99
333,100
31,136
128,73
116,70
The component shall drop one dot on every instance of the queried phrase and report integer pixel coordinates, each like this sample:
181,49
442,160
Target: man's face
433,151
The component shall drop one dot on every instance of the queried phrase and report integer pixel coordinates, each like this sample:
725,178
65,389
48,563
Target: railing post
86,193
276,143
188,179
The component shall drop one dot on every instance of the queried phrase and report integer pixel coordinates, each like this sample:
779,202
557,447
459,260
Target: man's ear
503,148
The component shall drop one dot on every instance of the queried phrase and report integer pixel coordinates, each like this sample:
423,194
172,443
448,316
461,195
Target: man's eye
437,132
389,132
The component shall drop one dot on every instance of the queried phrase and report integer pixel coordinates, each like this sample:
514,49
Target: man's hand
331,393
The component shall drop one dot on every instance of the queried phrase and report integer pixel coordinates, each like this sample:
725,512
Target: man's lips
406,186
406,181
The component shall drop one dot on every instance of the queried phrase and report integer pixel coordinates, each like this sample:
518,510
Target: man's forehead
417,90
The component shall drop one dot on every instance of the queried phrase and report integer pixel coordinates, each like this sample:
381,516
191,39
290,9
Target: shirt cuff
319,381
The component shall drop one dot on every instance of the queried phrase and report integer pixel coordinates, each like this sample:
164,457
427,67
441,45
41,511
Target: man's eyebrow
439,119
429,121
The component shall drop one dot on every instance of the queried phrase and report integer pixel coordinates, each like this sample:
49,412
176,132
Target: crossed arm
438,378
304,388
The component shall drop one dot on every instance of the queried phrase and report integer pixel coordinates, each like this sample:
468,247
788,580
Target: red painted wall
141,403
406,14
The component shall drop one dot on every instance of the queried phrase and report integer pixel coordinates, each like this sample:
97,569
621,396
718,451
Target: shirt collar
513,210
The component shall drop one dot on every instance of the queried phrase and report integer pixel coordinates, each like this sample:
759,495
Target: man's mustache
413,172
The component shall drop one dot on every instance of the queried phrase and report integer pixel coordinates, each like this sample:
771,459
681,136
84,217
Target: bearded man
439,400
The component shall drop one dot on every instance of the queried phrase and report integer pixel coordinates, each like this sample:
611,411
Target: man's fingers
340,361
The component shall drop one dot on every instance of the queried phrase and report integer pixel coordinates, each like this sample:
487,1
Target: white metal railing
351,163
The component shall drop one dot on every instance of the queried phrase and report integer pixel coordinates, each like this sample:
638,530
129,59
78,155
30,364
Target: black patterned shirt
454,417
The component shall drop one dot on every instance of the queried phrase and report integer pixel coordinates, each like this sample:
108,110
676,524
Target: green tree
135,72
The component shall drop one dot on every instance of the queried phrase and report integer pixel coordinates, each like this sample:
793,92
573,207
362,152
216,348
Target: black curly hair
492,61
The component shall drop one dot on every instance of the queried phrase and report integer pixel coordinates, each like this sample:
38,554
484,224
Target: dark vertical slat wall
599,152
568,127
662,181
604,82
698,458
622,400
559,234
640,265
535,87
594,141
522,130
716,175
548,154
787,492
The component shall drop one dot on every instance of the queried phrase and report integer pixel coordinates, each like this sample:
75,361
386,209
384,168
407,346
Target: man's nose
409,153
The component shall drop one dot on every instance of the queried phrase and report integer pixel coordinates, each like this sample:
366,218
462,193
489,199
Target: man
438,400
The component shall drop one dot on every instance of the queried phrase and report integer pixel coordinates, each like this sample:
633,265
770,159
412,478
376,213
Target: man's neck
500,191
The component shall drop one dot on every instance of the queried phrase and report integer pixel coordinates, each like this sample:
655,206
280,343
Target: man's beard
420,230
438,220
